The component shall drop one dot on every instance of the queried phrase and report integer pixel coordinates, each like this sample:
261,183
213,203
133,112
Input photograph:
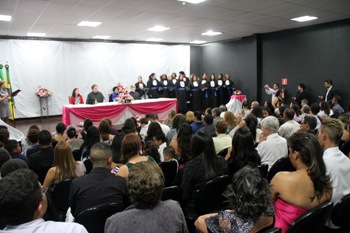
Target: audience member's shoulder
69,227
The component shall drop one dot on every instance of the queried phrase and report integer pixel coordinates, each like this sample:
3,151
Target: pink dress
286,214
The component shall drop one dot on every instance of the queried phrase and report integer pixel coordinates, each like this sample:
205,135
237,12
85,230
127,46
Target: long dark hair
73,93
243,151
184,139
203,145
251,122
311,155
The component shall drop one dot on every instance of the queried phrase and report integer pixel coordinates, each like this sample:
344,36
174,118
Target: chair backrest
76,155
313,220
341,212
210,196
283,164
169,169
173,193
223,152
272,230
263,170
60,195
94,218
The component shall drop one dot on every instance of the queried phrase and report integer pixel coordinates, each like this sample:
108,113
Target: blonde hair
230,118
189,116
64,161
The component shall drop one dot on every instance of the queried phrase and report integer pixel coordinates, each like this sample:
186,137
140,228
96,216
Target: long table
117,112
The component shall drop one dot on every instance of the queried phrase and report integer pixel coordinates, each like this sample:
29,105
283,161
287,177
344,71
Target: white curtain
61,66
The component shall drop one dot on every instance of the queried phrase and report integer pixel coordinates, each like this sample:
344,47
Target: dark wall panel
238,58
309,55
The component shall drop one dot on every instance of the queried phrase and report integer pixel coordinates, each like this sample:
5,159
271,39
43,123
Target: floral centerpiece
237,92
42,92
124,95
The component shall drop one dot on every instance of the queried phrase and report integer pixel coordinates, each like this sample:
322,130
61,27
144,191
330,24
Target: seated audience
243,152
12,165
151,149
204,166
337,164
74,142
251,122
160,141
4,156
41,161
245,109
60,133
290,126
169,121
308,124
32,142
231,120
154,118
296,192
13,147
100,186
64,166
249,198
147,213
325,110
222,140
209,127
272,146
25,142
182,144
131,148
86,125
153,129
189,117
337,109
216,115
197,123
23,205
92,137
105,132
178,120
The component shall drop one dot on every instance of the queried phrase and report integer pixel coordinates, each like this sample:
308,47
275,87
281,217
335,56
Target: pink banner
240,98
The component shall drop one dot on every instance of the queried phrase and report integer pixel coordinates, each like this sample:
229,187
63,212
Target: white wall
62,66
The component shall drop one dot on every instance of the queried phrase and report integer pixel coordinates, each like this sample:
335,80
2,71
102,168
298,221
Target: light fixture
304,18
154,39
192,1
5,17
211,33
101,37
36,34
198,42
158,29
88,24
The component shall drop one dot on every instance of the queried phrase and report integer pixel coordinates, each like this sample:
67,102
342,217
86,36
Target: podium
44,107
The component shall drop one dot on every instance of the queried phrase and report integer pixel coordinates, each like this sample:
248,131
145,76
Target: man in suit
100,186
330,93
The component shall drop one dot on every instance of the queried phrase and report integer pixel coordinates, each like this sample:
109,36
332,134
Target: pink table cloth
117,112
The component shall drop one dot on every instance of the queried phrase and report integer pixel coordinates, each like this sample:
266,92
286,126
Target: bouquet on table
42,92
237,92
124,95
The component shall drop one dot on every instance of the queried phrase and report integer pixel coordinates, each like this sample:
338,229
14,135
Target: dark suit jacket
100,186
40,162
331,94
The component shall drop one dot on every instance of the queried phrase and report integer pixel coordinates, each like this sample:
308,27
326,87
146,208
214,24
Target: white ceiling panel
129,19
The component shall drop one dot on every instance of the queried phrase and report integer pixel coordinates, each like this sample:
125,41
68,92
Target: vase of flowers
124,95
42,92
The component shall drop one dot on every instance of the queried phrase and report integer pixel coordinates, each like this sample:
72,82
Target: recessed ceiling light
192,1
198,42
211,33
5,17
154,39
36,34
88,24
304,18
101,37
158,29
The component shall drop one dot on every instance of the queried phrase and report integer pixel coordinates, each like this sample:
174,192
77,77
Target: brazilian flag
5,76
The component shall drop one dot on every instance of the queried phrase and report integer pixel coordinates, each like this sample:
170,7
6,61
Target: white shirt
272,149
143,131
338,167
165,128
222,141
160,150
271,92
39,225
288,128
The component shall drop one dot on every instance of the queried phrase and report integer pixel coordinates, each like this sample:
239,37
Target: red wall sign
284,81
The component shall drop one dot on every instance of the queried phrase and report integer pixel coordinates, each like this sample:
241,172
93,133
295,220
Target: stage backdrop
61,66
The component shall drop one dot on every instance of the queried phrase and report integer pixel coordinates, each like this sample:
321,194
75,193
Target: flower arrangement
123,93
237,92
42,92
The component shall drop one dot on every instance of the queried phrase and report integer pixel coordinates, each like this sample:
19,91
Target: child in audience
160,140
12,146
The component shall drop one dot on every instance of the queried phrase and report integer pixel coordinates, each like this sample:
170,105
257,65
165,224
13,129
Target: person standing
301,94
140,87
212,91
227,89
204,86
153,87
271,91
4,102
76,98
195,94
164,86
220,90
330,93
94,96
181,94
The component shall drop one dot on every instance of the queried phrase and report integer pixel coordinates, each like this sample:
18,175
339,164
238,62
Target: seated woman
182,144
105,132
131,148
86,125
76,98
296,192
147,213
243,152
114,96
64,165
204,166
60,133
249,197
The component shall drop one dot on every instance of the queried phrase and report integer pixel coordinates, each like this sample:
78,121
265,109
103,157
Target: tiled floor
48,123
